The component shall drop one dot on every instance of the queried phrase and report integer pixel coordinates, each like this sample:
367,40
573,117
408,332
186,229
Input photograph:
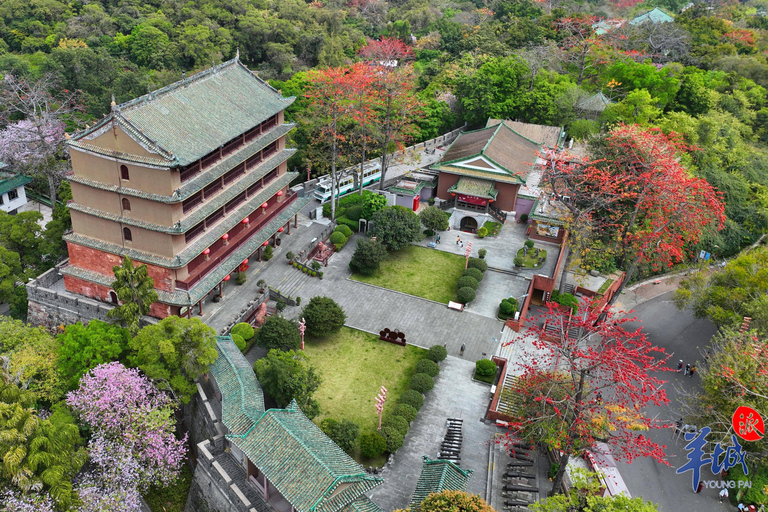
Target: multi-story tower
190,180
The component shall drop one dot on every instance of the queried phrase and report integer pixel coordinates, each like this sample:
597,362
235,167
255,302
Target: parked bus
371,174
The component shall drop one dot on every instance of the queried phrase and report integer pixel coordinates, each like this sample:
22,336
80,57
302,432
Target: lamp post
380,399
302,328
466,254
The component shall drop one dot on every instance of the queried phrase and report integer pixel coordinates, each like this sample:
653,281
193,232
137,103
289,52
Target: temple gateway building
190,180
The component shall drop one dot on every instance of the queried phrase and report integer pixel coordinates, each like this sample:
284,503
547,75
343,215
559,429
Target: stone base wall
99,291
103,262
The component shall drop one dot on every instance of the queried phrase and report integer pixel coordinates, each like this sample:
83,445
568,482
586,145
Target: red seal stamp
748,424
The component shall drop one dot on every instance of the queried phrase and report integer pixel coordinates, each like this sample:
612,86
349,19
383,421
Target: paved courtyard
455,395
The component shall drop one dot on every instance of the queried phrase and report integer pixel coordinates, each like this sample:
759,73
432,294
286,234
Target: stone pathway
455,395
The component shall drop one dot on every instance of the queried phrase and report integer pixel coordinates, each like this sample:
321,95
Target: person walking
723,494
437,240
680,366
700,487
463,347
687,369
692,371
458,240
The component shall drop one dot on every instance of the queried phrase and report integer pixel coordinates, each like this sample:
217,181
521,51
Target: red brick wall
444,182
507,196
101,292
102,262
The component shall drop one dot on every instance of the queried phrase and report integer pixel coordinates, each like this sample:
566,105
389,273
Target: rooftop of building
543,135
10,180
437,476
655,15
191,118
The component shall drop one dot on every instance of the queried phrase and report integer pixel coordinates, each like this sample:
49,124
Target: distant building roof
595,103
308,469
189,119
605,26
437,476
10,180
655,15
543,135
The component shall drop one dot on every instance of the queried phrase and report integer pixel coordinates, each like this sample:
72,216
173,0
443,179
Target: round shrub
422,382
474,273
337,238
406,411
344,230
429,232
413,398
396,422
465,281
354,213
437,353
243,329
239,341
482,253
427,366
477,263
519,261
529,244
508,306
394,439
465,295
372,445
482,232
485,368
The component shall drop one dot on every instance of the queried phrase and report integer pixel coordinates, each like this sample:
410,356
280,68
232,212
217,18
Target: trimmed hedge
437,353
485,367
507,308
477,263
413,398
239,341
351,224
529,244
397,422
338,240
428,366
372,445
344,230
465,281
354,213
394,438
465,295
474,273
408,412
243,329
422,382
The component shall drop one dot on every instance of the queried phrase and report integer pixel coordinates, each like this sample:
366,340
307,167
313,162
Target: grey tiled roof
207,283
199,244
242,402
120,155
227,100
200,213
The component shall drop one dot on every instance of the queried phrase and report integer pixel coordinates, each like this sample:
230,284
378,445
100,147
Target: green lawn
419,271
530,261
354,365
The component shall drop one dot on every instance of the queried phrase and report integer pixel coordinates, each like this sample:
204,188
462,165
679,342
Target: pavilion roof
437,476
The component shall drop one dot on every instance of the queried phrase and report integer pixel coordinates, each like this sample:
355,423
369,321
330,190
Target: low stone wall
51,308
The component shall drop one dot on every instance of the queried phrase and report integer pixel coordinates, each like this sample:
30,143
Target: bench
458,306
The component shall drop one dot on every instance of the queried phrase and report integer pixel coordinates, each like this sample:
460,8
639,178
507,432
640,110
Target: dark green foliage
243,329
427,366
136,291
287,376
529,244
241,278
465,295
323,316
338,240
467,281
372,445
408,412
422,382
372,204
565,299
429,232
345,230
396,227
82,348
351,224
413,398
477,263
343,433
394,438
354,213
171,498
239,341
519,261
280,333
474,273
433,218
289,255
437,353
280,305
485,368
482,253
268,253
507,308
397,422
368,256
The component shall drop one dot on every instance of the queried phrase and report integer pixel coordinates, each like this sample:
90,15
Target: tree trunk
627,277
52,190
557,482
333,169
387,136
362,164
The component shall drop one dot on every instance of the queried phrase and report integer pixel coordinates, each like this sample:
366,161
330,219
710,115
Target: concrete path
455,395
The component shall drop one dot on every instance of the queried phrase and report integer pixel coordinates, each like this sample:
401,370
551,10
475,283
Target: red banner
473,200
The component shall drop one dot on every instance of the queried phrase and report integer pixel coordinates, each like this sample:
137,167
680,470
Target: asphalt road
686,338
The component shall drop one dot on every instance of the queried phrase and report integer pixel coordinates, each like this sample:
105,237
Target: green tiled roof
200,243
437,476
197,216
227,100
242,401
120,155
655,15
474,187
308,469
206,284
12,181
412,191
489,175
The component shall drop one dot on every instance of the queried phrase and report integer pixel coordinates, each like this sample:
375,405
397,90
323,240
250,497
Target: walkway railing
497,214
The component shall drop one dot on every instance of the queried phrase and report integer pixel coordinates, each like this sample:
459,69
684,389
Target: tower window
127,235
126,204
124,172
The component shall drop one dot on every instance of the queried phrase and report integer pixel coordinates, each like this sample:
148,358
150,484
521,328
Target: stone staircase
237,474
289,281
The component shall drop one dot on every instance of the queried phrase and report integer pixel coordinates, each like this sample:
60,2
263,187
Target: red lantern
246,220
245,261
207,251
280,193
453,194
265,243
226,278
264,205
225,236
281,230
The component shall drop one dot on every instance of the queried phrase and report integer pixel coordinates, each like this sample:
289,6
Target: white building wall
10,205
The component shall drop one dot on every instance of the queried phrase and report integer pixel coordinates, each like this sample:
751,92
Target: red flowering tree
591,385
394,92
584,52
635,198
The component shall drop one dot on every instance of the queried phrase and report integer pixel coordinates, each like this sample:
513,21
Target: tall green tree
136,292
287,376
278,333
396,227
324,317
84,347
174,353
